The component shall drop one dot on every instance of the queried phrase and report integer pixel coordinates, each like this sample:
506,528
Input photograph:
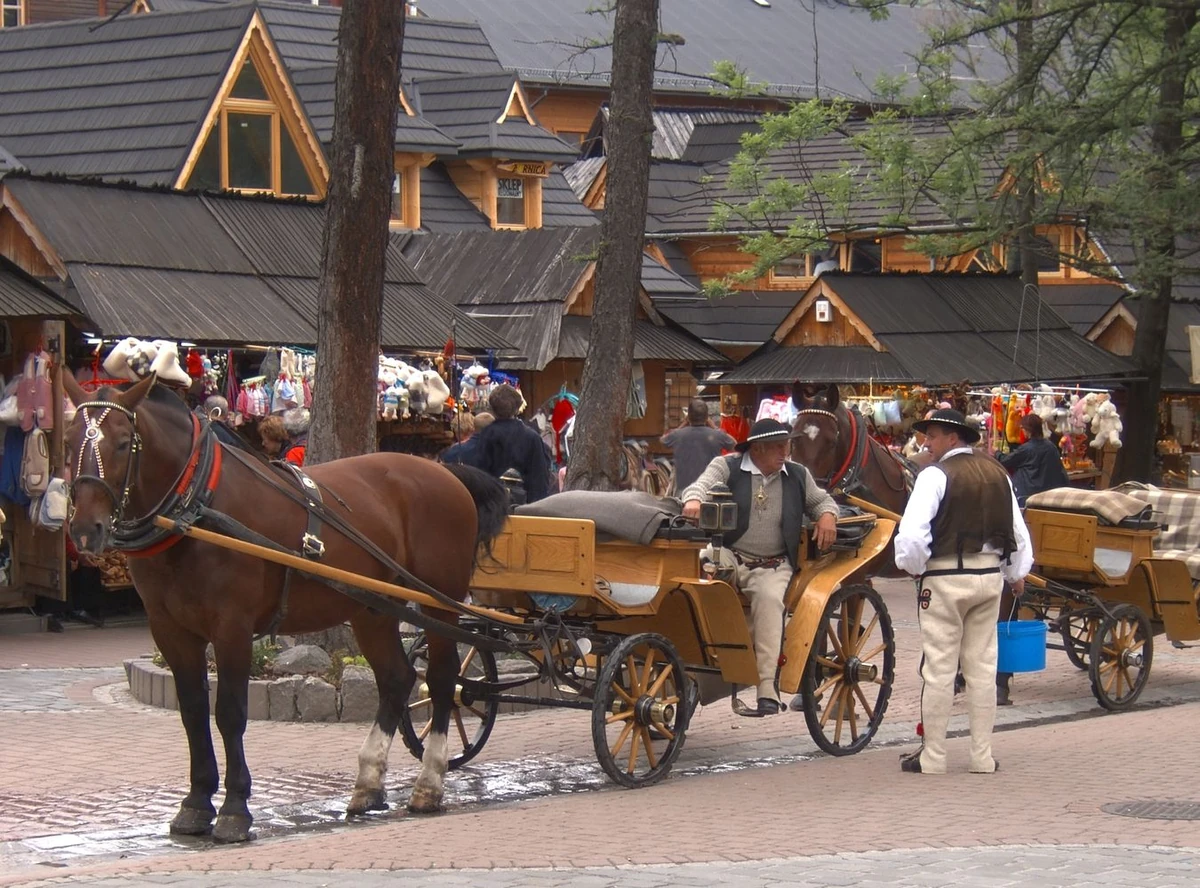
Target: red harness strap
840,474
185,481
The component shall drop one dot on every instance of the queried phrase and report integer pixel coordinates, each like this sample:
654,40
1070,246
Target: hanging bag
35,463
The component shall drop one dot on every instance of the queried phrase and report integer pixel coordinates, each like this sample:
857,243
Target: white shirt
749,466
915,537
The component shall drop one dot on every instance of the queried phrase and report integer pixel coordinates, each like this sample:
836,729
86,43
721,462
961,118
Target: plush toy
1012,422
436,392
418,392
1107,425
1044,403
395,401
1061,421
1078,423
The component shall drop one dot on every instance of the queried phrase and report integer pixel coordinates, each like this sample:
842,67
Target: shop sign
539,168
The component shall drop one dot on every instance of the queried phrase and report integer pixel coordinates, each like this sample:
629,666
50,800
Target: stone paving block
358,698
212,694
170,698
158,681
316,700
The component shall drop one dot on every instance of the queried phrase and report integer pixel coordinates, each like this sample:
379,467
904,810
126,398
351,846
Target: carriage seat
1178,513
631,515
1111,507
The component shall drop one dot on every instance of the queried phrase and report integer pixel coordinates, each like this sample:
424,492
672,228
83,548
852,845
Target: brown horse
421,516
832,442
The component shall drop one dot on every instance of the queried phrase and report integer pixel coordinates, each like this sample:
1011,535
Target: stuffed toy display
1106,425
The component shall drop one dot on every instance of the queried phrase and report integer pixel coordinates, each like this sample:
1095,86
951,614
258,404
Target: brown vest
976,509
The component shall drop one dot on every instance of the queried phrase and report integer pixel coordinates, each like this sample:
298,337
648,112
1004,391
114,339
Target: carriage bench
1178,513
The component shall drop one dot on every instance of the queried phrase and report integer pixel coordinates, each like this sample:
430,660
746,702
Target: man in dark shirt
1037,464
510,444
465,450
695,444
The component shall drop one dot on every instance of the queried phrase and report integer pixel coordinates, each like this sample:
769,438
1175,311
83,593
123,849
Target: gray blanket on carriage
626,514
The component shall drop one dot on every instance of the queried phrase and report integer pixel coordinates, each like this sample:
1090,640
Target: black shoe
767,706
910,763
1003,688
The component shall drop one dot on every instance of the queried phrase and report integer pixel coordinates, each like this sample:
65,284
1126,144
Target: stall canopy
924,328
23,297
214,269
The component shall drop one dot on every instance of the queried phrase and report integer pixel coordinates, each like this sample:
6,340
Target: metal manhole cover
1154,810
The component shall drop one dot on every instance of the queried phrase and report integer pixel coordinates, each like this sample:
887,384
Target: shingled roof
468,108
122,101
519,281
216,269
775,44
21,296
938,328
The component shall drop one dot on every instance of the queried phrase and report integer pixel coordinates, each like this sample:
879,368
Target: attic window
14,13
510,202
250,147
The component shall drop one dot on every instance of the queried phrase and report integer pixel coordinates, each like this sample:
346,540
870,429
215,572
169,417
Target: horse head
105,445
819,440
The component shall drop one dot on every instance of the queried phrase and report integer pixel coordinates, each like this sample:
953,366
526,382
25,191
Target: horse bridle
92,436
835,476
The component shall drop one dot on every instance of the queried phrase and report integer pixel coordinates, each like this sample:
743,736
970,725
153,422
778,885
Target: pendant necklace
760,498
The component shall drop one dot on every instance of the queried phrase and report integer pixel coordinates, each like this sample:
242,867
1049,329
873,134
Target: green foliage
262,656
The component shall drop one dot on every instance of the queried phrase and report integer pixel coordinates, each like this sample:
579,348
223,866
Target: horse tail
491,501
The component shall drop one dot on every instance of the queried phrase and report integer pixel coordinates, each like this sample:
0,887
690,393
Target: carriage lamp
719,513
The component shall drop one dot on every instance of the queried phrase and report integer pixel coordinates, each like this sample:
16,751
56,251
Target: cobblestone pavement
1021,866
97,803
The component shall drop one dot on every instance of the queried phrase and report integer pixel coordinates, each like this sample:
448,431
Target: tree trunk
370,36
597,461
1136,459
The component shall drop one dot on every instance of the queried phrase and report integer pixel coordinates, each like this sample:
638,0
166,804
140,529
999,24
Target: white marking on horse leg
427,793
372,759
811,431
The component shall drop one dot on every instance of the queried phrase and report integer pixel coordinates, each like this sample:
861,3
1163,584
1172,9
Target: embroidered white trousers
958,625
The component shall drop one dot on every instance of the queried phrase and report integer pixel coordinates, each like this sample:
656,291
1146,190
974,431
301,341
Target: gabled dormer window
13,13
251,143
519,194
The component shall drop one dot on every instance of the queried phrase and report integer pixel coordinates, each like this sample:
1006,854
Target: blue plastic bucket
1021,646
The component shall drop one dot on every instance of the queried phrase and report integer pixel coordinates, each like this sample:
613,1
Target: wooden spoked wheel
1078,627
848,678
1119,661
471,719
639,717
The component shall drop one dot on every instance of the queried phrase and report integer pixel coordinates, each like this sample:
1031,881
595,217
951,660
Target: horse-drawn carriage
1111,570
624,627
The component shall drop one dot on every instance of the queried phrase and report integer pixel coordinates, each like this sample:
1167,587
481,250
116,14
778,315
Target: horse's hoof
425,801
192,822
231,828
365,800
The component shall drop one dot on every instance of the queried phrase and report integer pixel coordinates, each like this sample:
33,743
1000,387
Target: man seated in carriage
774,497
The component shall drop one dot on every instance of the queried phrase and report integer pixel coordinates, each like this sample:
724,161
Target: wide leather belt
751,563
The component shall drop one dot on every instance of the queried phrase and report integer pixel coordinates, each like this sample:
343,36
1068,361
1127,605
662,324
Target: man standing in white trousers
962,535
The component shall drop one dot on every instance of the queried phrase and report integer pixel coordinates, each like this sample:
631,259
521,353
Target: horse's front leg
442,678
379,639
184,653
233,688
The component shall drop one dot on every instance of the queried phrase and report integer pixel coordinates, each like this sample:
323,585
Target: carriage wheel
848,678
639,718
1120,657
471,719
1078,628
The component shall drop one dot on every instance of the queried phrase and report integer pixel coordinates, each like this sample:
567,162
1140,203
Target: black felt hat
952,418
764,430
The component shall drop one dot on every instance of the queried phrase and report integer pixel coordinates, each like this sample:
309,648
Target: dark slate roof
650,343
1081,305
467,108
745,317
697,135
21,296
518,281
665,287
678,261
986,328
504,267
443,207
1176,376
560,206
775,44
122,101
315,86
306,35
216,269
682,195
1119,247
842,364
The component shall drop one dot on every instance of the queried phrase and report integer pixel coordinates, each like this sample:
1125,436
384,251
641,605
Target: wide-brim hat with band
765,430
952,418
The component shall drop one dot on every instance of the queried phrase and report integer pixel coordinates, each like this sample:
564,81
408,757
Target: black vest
794,497
975,510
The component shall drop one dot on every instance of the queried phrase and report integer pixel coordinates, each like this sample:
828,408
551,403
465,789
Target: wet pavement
49,690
